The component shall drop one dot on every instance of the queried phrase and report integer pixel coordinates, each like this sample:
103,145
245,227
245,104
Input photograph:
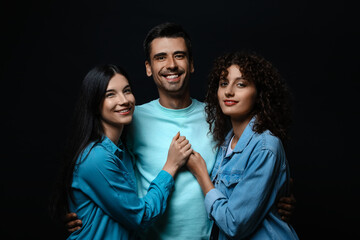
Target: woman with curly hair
249,114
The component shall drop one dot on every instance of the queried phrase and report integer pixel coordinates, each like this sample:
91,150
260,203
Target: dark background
48,47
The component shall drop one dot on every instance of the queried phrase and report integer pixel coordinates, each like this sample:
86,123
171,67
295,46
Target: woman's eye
223,83
128,90
240,84
109,94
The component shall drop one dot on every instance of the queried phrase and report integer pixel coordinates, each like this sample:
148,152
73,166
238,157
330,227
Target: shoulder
94,155
266,150
198,104
146,106
268,142
198,108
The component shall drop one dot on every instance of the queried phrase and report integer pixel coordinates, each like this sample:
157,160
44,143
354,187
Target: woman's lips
230,102
124,111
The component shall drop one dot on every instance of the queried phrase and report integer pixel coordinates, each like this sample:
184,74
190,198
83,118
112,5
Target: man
169,61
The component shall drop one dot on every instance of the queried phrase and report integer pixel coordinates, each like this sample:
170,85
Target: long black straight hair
86,128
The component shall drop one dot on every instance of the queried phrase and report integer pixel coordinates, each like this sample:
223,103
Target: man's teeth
172,76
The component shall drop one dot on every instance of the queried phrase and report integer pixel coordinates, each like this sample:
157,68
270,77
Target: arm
72,223
106,181
253,196
112,188
286,205
197,167
179,152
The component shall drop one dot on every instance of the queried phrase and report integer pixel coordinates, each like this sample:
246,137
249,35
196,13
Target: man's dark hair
166,30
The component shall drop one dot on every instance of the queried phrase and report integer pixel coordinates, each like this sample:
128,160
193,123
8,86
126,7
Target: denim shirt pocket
227,183
230,179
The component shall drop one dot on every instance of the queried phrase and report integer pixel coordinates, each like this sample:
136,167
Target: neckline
177,112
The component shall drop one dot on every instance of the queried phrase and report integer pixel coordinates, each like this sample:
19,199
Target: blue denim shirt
247,183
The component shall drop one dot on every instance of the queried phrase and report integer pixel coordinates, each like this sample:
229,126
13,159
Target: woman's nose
122,99
229,91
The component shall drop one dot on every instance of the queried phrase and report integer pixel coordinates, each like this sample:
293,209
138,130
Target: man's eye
179,56
160,58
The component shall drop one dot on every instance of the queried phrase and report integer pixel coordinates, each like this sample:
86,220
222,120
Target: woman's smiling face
236,95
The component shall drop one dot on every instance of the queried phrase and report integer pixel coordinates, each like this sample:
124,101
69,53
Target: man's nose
171,63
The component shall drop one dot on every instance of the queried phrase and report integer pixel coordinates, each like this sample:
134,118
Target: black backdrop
47,48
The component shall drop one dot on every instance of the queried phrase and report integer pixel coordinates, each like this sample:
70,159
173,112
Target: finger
187,147
180,139
188,152
176,136
73,229
284,206
197,154
73,224
70,216
184,143
284,213
289,200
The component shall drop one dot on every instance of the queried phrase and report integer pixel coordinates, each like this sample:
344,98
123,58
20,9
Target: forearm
171,168
204,181
156,198
243,201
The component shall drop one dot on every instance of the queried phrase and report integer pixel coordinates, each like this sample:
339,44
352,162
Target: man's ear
192,69
148,69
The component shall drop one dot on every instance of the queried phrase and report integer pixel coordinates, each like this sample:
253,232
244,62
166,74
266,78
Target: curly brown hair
273,103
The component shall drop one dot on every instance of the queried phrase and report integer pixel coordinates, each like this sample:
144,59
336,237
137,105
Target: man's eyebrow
181,52
164,53
159,54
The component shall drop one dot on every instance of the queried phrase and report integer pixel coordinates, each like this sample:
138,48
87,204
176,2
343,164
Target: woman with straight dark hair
98,181
248,111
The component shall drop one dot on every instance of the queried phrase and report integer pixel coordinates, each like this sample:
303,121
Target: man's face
169,65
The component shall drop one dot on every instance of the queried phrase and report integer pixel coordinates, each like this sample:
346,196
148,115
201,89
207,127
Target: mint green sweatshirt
149,138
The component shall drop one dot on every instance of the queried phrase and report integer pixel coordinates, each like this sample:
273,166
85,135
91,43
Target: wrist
172,170
200,174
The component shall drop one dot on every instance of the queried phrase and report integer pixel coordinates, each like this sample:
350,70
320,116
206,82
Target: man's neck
175,102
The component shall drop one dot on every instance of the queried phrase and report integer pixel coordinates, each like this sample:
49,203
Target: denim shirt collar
117,150
244,139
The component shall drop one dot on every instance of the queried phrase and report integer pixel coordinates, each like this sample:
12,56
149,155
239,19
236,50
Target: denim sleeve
108,183
252,197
